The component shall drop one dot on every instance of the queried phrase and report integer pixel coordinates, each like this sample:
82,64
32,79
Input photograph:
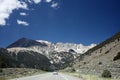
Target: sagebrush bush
100,63
106,74
72,70
117,56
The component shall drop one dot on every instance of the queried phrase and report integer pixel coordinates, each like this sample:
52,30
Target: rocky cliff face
105,55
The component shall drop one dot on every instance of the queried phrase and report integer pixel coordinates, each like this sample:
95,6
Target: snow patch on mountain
79,48
46,42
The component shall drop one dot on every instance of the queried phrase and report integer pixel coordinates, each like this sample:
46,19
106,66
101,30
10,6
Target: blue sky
74,21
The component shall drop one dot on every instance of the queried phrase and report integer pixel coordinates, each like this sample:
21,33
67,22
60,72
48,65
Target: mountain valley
47,56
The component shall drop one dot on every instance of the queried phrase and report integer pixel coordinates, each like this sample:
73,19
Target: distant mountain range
41,54
46,46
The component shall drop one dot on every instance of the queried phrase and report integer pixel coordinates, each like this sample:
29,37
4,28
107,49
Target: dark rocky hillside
6,60
104,56
23,59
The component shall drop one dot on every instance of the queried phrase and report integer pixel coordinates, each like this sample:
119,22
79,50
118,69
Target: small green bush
73,70
84,62
106,74
117,56
100,63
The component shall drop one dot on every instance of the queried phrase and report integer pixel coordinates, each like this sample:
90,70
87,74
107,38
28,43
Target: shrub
79,65
73,70
1,70
84,62
118,39
100,63
117,56
100,50
107,52
106,74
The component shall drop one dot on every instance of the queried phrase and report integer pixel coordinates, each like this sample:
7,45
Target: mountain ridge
104,56
59,54
60,46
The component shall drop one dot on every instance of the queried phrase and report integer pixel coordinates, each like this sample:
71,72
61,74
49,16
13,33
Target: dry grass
9,73
88,76
2,78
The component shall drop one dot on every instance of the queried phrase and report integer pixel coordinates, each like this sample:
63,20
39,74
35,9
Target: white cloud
54,5
7,7
22,23
23,14
48,1
37,1
29,1
33,1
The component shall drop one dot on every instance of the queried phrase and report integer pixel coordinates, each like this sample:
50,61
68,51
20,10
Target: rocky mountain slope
23,59
104,56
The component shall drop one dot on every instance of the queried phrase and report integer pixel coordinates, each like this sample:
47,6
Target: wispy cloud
54,5
22,23
23,14
37,1
48,1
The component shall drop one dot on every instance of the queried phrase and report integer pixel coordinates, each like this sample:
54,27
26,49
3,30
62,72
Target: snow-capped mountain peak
46,46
